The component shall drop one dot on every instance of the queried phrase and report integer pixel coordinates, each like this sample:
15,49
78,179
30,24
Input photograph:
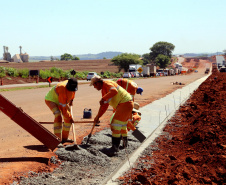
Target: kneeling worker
59,99
121,101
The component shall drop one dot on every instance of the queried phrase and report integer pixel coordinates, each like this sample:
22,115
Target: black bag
87,113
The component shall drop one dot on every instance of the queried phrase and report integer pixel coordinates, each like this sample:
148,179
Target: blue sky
55,27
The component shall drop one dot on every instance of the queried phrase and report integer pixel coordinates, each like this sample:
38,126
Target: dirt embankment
192,149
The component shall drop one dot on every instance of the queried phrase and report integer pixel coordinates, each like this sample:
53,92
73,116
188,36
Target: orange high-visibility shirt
113,94
64,97
129,85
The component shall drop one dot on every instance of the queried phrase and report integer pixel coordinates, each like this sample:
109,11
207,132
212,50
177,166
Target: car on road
135,74
90,75
126,75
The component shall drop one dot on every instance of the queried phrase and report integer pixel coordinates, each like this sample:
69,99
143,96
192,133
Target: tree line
160,55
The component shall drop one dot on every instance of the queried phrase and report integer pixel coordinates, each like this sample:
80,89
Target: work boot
67,141
124,143
114,149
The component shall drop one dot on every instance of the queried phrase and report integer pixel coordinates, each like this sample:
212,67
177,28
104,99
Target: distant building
16,58
19,58
6,54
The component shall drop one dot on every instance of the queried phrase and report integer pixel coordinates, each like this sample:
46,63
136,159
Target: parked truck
152,69
146,71
134,67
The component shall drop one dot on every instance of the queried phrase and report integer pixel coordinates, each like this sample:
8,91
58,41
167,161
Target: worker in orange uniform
130,86
59,99
131,125
121,101
136,117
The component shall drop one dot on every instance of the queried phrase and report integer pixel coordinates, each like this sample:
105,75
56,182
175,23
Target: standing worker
59,99
121,101
130,86
131,125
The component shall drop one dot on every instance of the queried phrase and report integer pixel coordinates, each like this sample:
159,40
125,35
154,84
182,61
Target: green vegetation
53,72
162,60
125,59
161,53
23,88
66,56
2,72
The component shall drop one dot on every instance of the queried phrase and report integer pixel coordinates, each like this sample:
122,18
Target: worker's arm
102,110
64,100
110,94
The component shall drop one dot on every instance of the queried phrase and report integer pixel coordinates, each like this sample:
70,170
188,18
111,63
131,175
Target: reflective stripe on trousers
119,122
65,132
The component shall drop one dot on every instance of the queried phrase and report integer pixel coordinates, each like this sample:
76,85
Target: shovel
138,134
90,134
82,121
75,146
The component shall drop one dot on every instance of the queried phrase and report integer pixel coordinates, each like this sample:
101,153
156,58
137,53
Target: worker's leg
66,129
58,118
123,113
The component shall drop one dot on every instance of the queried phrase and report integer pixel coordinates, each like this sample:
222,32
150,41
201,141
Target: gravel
89,165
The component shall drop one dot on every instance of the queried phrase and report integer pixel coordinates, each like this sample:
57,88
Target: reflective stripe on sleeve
63,105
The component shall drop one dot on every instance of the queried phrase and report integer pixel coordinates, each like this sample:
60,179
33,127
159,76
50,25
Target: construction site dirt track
44,165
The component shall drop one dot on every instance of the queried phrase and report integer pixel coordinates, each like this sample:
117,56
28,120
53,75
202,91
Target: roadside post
73,72
50,79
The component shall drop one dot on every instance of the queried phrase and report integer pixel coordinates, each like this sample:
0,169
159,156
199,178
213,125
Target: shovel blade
137,134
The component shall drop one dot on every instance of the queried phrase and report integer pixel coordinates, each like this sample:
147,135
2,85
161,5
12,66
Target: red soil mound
192,147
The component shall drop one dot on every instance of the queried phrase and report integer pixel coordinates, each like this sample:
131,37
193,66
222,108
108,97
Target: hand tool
75,146
94,123
46,122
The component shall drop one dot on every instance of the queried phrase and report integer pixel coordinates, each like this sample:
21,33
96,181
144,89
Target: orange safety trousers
62,134
121,116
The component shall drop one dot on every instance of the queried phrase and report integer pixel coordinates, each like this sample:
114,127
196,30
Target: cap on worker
139,90
136,107
72,84
95,79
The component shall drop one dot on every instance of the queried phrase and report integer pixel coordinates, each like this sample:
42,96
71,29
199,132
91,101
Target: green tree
162,60
76,58
66,56
146,58
125,59
51,58
164,48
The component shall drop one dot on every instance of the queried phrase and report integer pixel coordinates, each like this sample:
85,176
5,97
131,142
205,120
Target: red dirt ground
77,65
46,165
194,149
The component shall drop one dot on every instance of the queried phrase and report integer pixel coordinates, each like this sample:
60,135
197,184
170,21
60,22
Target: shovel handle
89,136
73,127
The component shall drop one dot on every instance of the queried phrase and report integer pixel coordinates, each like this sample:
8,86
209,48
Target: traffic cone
37,80
1,81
